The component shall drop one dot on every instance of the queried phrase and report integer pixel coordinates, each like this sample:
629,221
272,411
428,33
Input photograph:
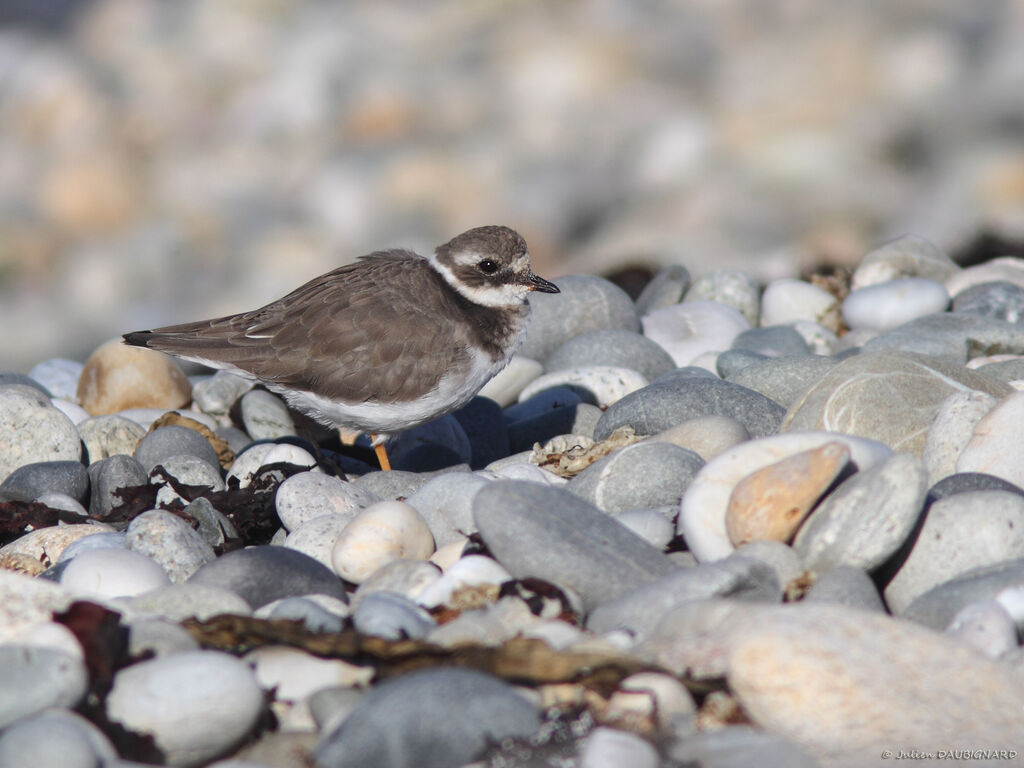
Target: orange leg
378,448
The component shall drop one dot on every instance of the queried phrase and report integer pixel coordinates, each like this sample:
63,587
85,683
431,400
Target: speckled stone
785,379
110,435
730,287
32,430
171,542
905,256
170,441
265,415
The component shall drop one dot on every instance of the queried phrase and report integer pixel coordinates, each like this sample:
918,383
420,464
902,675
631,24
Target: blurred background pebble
162,161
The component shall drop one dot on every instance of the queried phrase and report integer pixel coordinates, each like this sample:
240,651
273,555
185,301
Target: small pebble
58,375
32,430
265,415
118,376
391,616
688,330
884,306
170,542
110,435
307,495
162,443
379,534
787,301
108,572
36,679
730,287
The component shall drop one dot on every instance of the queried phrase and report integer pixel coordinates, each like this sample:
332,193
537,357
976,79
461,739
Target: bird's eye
488,267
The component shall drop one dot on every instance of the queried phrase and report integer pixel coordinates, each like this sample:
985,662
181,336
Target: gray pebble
772,341
955,337
647,474
111,539
732,361
607,747
38,678
738,746
652,525
671,401
57,737
937,607
237,440
405,577
330,706
11,382
394,484
549,533
640,610
666,288
314,617
263,574
986,626
965,482
391,616
62,501
586,303
177,602
1004,371
32,480
846,585
783,379
159,637
186,470
1000,300
214,526
307,495
315,537
109,475
32,430
433,719
779,556
867,518
215,395
171,542
446,504
162,443
265,415
622,349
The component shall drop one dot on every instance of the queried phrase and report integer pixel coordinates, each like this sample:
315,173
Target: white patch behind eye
498,295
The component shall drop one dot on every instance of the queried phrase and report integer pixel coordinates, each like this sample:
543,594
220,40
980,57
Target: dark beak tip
541,285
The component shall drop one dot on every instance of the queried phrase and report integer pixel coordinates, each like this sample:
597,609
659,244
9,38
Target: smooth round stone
46,545
314,616
76,413
960,532
619,349
891,397
216,394
604,383
264,574
884,306
730,287
107,572
505,387
109,475
647,474
652,525
178,602
667,287
904,256
99,540
995,446
179,700
672,401
446,505
32,431
655,696
159,637
164,442
787,301
432,719
395,484
640,610
32,480
170,542
738,746
391,616
611,748
770,503
1006,269
733,361
586,303
187,470
707,436
999,300
265,415
703,508
772,341
955,337
117,377
409,578
51,635
783,380
1001,581
36,679
484,424
867,518
688,330
316,537
248,463
780,557
952,430
551,534
846,585
986,626
59,376
57,737
62,501
381,533
413,449
470,571
286,453
307,495
109,435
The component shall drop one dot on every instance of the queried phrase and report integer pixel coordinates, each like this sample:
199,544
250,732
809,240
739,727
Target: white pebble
690,329
307,495
649,524
884,306
607,383
112,573
248,463
995,447
381,533
73,411
287,453
472,570
505,387
788,300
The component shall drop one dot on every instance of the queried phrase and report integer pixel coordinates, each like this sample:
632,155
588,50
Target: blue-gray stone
392,616
965,482
739,746
552,534
673,400
639,476
666,288
439,718
108,475
783,379
772,341
25,381
105,540
732,361
954,336
437,444
586,303
59,376
543,416
999,299
937,607
263,574
170,441
846,585
621,349
483,421
214,526
313,616
30,481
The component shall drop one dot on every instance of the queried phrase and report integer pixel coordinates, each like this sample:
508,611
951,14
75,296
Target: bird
386,343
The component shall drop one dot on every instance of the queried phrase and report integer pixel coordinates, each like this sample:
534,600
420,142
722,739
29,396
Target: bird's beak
536,283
